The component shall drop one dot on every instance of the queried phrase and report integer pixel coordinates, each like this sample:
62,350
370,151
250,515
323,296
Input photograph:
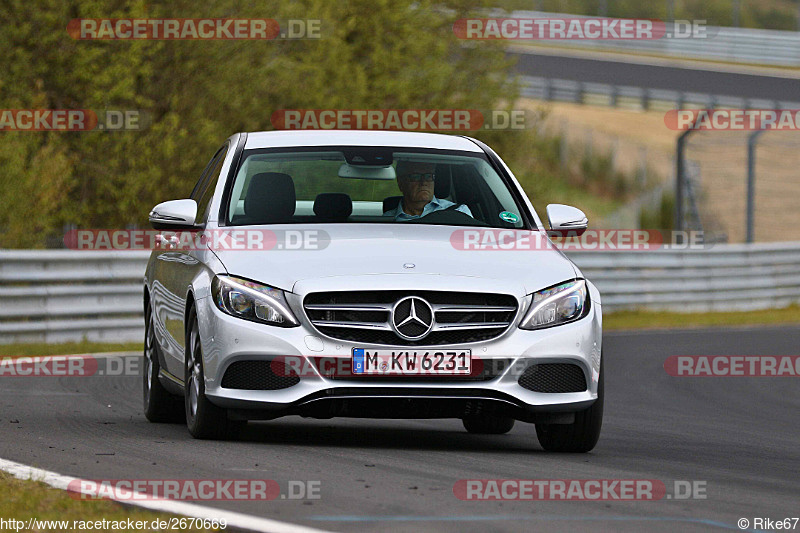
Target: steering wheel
448,217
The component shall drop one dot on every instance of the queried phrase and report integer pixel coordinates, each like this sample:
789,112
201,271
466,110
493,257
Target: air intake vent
256,375
553,377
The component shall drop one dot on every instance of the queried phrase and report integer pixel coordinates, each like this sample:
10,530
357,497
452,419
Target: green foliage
663,218
373,54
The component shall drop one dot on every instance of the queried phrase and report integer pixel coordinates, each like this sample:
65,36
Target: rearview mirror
565,219
174,214
366,173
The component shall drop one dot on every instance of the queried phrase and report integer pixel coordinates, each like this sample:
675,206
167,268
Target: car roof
294,138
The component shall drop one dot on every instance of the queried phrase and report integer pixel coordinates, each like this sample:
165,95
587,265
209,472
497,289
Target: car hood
383,256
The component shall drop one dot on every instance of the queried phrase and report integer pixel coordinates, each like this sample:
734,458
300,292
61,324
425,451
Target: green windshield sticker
509,217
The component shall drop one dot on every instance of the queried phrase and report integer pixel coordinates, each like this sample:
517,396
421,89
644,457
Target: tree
372,54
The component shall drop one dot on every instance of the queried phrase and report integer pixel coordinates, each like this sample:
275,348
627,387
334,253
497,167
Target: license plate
412,362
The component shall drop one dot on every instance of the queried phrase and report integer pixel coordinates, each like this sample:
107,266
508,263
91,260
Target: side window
207,184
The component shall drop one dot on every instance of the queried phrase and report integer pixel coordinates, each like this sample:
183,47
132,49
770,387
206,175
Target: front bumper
226,339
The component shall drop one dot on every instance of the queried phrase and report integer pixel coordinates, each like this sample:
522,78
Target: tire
204,419
159,405
488,425
580,436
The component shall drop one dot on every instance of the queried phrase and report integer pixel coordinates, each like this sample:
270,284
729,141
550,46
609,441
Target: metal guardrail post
752,139
680,180
679,172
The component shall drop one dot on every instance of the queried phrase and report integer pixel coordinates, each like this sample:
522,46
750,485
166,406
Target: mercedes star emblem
412,318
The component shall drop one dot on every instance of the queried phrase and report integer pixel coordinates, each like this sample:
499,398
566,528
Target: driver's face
416,191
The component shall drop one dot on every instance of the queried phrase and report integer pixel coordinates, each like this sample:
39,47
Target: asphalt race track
739,435
659,77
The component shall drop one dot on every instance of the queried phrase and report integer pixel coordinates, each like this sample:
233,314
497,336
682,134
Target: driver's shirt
436,204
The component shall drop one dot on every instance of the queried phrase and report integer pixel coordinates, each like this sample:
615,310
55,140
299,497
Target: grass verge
21,500
626,320
67,348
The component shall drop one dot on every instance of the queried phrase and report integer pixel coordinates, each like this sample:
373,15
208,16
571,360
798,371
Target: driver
415,180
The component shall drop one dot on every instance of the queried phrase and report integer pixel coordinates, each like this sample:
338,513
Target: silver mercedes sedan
368,274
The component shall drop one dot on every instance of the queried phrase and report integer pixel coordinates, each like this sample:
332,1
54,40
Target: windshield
371,185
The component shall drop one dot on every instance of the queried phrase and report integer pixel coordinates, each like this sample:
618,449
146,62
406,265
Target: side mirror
565,219
175,214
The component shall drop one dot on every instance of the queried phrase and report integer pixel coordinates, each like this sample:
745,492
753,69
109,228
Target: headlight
252,301
557,305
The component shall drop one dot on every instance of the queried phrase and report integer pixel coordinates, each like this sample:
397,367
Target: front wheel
159,404
204,419
580,436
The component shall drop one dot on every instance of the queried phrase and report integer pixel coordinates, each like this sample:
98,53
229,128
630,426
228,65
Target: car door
176,268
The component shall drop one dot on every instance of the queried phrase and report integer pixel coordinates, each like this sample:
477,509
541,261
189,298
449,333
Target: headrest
270,198
333,206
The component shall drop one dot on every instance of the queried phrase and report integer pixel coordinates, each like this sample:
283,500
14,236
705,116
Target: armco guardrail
737,45
58,296
66,295
581,92
725,277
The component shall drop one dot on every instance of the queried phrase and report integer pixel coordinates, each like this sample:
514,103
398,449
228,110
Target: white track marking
234,520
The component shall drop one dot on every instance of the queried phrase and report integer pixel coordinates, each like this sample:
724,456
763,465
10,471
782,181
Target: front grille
256,375
553,377
365,316
482,370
